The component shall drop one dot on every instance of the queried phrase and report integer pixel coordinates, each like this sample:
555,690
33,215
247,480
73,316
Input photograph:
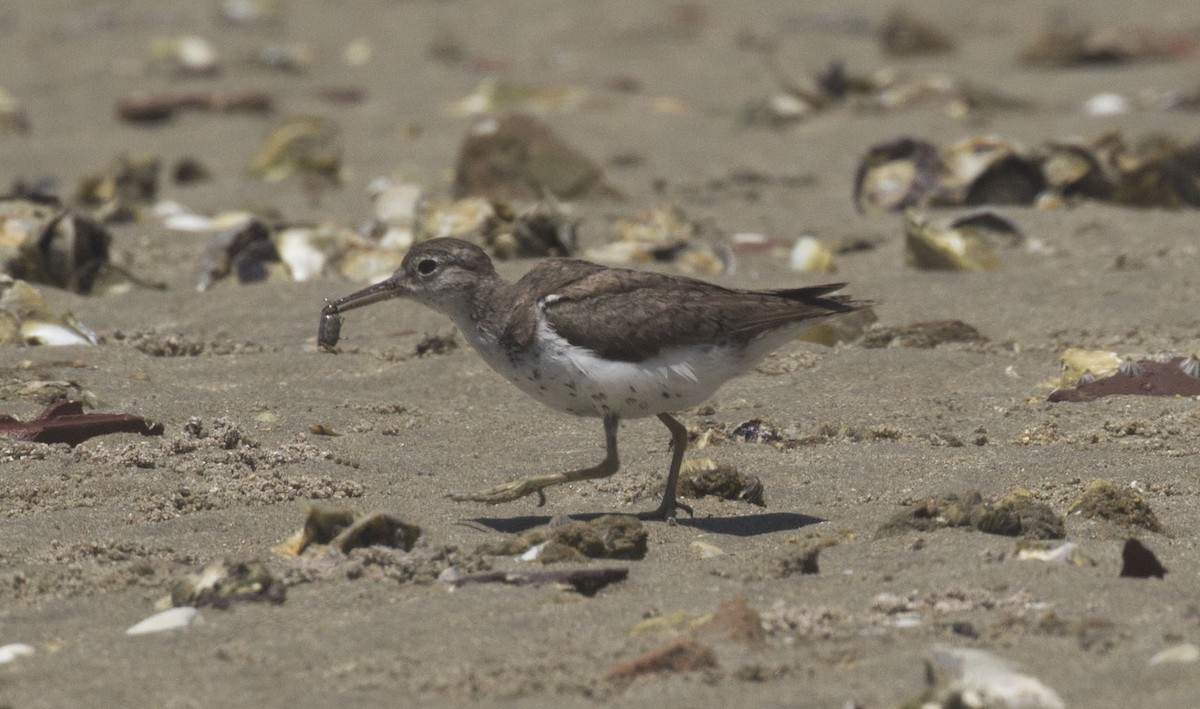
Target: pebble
172,619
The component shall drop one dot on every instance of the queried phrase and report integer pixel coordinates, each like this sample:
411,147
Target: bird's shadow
740,526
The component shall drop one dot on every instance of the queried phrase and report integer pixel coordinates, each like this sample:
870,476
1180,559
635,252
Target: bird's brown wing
632,315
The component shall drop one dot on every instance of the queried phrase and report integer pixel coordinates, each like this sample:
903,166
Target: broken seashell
896,175
990,170
544,230
811,256
1076,362
947,248
220,583
306,145
979,678
171,619
345,530
191,55
26,319
244,250
122,187
12,651
1065,553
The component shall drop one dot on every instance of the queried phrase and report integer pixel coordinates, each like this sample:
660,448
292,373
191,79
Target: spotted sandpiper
597,341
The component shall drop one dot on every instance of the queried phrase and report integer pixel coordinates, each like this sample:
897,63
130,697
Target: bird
598,341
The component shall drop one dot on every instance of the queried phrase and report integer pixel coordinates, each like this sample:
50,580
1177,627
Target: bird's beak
331,319
384,290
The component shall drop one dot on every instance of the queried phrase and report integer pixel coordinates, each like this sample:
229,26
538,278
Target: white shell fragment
1107,104
984,680
707,551
173,619
811,256
1065,553
533,553
1181,653
12,651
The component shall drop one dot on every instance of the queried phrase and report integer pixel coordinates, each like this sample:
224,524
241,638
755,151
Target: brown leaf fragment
684,655
65,422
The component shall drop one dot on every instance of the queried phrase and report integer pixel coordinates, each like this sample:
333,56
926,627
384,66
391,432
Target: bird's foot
510,491
665,511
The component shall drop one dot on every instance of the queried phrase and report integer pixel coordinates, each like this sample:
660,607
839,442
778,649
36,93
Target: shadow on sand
741,526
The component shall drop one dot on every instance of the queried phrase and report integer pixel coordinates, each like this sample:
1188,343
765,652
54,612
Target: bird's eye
426,266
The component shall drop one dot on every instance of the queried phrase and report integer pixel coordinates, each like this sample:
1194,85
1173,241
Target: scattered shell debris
799,555
44,243
704,477
970,677
586,582
222,583
1016,514
1138,562
966,243
309,146
665,234
517,157
170,619
65,422
26,319
1067,553
345,529
922,335
1070,43
122,188
1159,171
244,250
885,89
1101,499
605,537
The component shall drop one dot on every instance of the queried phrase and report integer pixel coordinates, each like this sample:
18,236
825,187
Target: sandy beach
93,536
